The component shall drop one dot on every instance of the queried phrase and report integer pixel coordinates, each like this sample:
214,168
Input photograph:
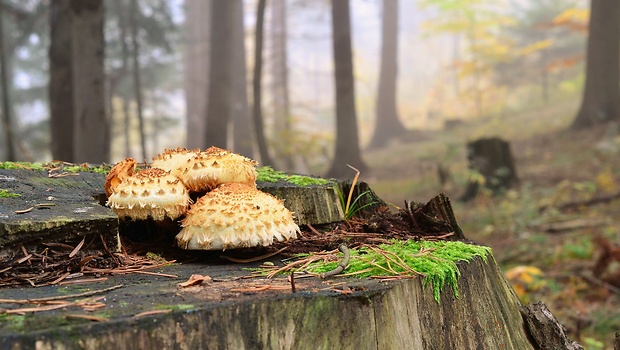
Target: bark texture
218,102
347,138
387,124
601,96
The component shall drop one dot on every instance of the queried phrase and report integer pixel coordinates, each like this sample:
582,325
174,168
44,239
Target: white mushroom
176,161
216,166
150,193
236,215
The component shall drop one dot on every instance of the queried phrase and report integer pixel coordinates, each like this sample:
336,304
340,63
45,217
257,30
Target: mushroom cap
151,192
217,166
175,161
120,171
236,215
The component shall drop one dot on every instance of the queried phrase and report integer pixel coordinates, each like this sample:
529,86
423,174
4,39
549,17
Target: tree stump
492,159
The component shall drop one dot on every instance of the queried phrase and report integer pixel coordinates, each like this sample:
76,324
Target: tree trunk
137,82
242,130
87,49
122,27
281,105
61,81
198,19
258,69
601,96
219,99
387,124
347,139
7,109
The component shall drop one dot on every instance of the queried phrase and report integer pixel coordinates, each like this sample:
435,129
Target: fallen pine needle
87,317
257,258
59,297
85,280
153,312
157,274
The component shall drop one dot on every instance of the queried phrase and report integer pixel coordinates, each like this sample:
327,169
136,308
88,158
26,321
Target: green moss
21,165
436,261
103,169
8,194
268,174
14,323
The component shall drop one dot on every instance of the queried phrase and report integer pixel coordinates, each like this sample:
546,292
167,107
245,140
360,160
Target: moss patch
103,169
436,261
8,194
268,174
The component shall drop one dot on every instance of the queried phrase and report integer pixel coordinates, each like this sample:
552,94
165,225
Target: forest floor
549,233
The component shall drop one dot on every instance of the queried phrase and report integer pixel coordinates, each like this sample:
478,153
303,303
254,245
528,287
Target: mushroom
120,171
151,193
175,161
216,166
235,215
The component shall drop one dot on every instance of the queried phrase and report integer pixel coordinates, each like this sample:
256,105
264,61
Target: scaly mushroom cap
120,171
235,215
217,166
175,161
151,192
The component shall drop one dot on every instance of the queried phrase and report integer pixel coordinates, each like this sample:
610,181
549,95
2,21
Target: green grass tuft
436,261
8,194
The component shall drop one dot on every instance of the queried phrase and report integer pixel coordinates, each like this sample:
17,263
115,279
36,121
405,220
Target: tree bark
258,69
347,139
7,109
387,124
87,49
198,19
601,96
61,81
137,82
242,130
219,99
281,104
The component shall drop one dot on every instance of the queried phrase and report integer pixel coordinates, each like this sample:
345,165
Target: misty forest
411,93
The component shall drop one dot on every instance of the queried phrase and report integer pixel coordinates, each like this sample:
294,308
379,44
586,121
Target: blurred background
395,88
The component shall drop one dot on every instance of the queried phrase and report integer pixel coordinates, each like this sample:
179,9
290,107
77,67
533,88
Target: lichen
268,174
435,261
8,194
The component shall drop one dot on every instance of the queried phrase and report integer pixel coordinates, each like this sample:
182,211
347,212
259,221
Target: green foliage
21,165
436,261
268,174
354,207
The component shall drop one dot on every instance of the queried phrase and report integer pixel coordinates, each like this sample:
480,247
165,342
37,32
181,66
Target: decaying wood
545,331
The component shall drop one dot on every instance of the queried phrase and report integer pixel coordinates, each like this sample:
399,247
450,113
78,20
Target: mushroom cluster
229,213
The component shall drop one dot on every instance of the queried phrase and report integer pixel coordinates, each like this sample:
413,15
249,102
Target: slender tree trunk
601,96
122,27
7,110
387,124
258,68
284,145
347,139
61,81
218,103
137,83
198,19
87,48
242,130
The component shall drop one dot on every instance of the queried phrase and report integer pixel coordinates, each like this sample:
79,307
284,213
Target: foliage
354,207
435,261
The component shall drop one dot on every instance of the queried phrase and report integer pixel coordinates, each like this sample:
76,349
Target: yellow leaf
605,180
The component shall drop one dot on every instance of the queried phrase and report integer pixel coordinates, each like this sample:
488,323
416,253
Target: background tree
256,85
282,129
220,74
7,109
241,124
197,34
601,95
78,26
347,139
387,124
